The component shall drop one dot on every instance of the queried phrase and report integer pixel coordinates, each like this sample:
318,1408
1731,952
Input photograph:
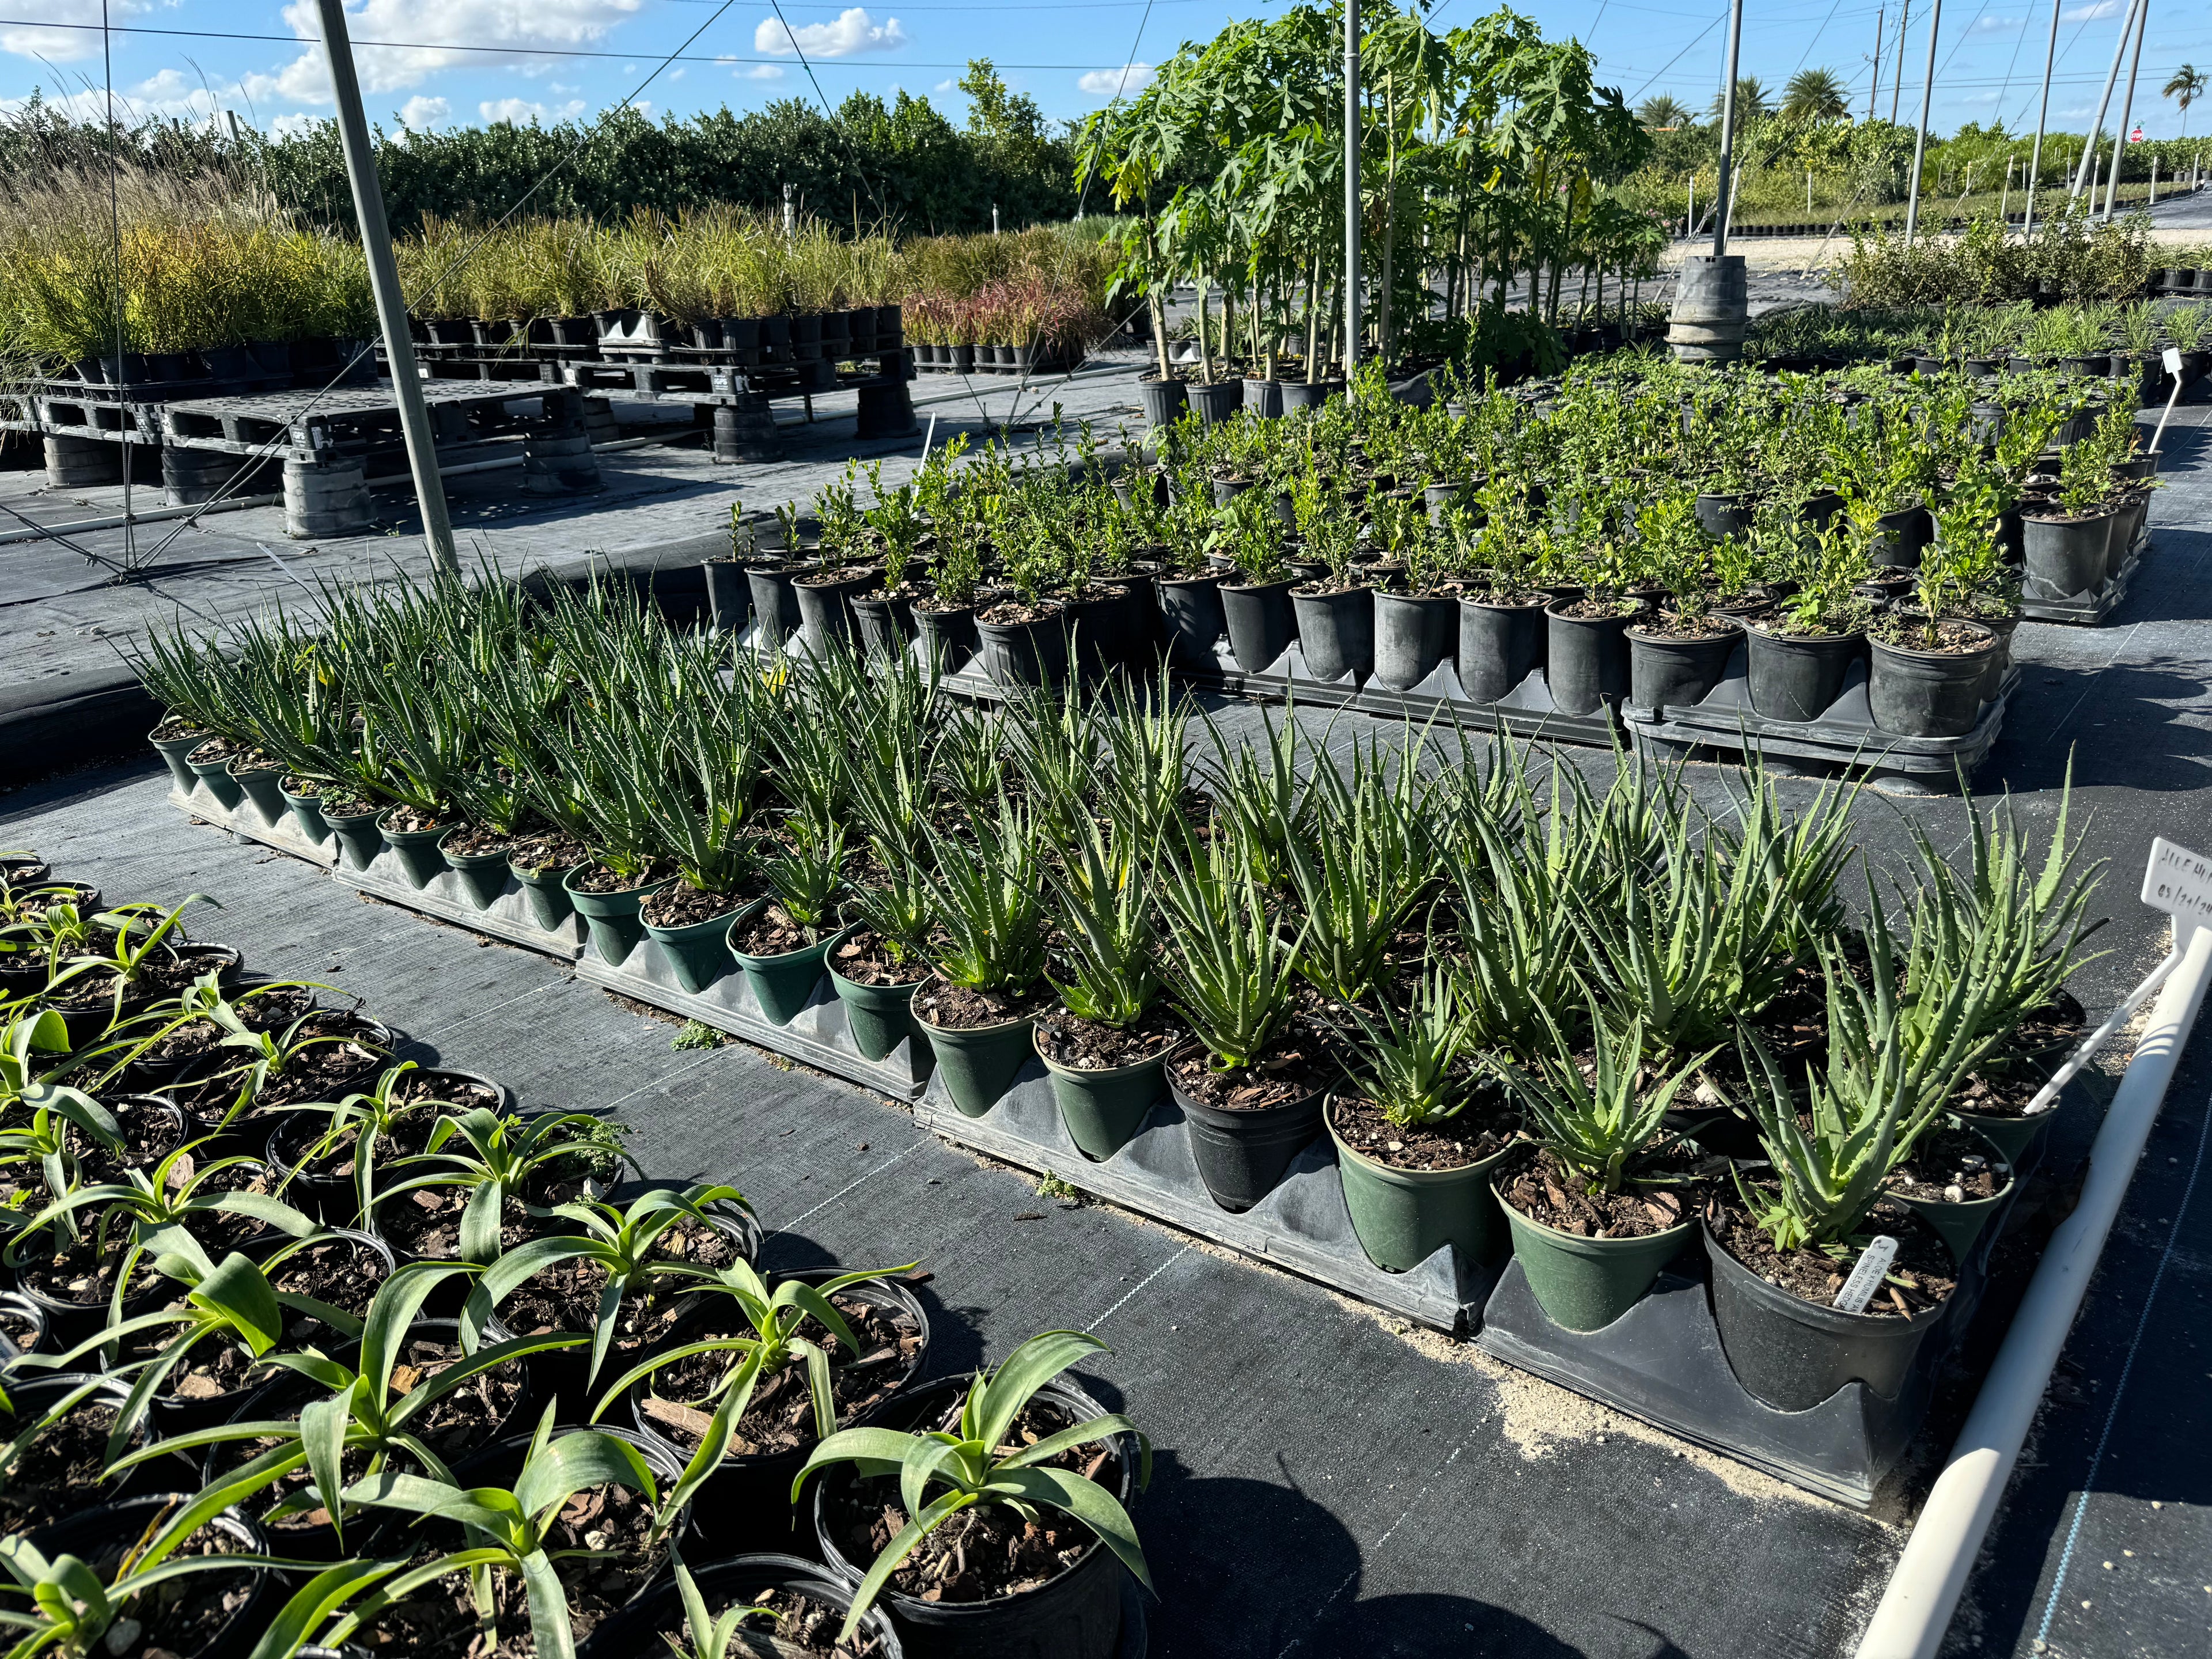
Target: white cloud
442,26
62,46
943,86
168,95
520,110
419,114
1114,82
760,72
1998,25
643,106
854,31
295,125
2090,13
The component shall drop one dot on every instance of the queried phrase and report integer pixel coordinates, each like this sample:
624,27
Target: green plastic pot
1585,1284
879,1017
483,875
698,951
616,927
1402,1216
978,1064
1102,1109
783,984
216,775
420,860
263,787
2019,1140
548,891
308,813
359,838
173,751
1962,1224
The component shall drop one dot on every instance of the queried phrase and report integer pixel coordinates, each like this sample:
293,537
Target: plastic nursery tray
509,920
1845,734
1302,1227
2085,609
818,1036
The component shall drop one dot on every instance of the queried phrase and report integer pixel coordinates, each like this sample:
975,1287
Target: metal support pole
2088,170
1920,138
2042,115
1897,76
1722,207
2127,107
1352,187
384,285
1874,91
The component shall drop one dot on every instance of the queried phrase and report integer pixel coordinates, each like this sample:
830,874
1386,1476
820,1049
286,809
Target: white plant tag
2173,360
2180,883
1858,1290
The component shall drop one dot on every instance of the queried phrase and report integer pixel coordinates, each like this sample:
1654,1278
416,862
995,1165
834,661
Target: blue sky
451,62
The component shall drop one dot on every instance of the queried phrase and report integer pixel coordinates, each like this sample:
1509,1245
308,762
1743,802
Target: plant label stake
2172,359
1866,1278
2180,883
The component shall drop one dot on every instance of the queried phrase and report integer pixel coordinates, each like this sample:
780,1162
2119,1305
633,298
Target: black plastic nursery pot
951,637
616,927
2127,525
1499,645
1928,694
173,751
214,772
1097,631
1413,632
1900,536
784,984
420,860
645,1628
1164,401
359,838
1793,1354
1024,652
101,1537
1241,1157
1264,399
745,1504
1403,1217
1585,1284
483,875
1336,633
1796,677
885,623
698,952
1309,394
1076,1615
34,1392
2066,556
547,890
775,603
878,1017
1140,630
1216,401
729,597
1191,611
978,1063
1586,661
825,606
1724,512
1260,620
23,1327
262,783
1664,670
308,813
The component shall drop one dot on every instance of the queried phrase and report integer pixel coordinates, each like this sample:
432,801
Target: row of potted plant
291,1318
1279,947
2121,341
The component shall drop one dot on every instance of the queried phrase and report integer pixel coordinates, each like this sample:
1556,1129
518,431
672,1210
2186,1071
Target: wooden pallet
306,425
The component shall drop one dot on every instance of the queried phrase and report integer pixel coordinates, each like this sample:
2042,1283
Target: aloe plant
1231,963
989,903
1603,1123
1105,911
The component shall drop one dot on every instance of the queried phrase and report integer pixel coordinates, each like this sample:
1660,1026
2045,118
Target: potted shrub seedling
1597,1209
897,520
1256,592
825,592
1189,588
1501,611
1928,666
1020,1478
771,573
2067,541
1022,636
988,948
1679,653
1416,619
1799,657
1334,610
780,941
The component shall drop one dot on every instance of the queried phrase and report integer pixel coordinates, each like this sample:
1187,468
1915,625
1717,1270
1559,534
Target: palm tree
1814,94
1662,114
1750,100
2188,85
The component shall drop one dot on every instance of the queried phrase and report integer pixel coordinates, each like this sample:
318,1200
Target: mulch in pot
773,933
1920,1278
1908,632
409,820
1671,625
1591,610
780,1417
1999,1093
809,1626
161,974
546,849
958,1008
1010,612
19,1329
479,839
184,1615
565,1298
680,904
596,877
59,1472
339,802
1089,1045
82,1272
1949,1165
1480,1128
1292,1068
1545,1191
340,1272
218,749
864,957
149,1135
270,1012
986,1550
173,726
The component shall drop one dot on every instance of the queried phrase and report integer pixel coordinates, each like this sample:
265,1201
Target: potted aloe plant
781,940
1419,1130
1597,1209
698,793
988,948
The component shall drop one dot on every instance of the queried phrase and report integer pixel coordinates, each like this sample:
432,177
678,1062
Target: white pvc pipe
1931,1574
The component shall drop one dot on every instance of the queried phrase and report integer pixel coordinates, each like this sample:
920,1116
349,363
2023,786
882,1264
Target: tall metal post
384,285
1352,187
1897,78
2042,115
1723,202
2127,106
2088,170
1874,91
1920,139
